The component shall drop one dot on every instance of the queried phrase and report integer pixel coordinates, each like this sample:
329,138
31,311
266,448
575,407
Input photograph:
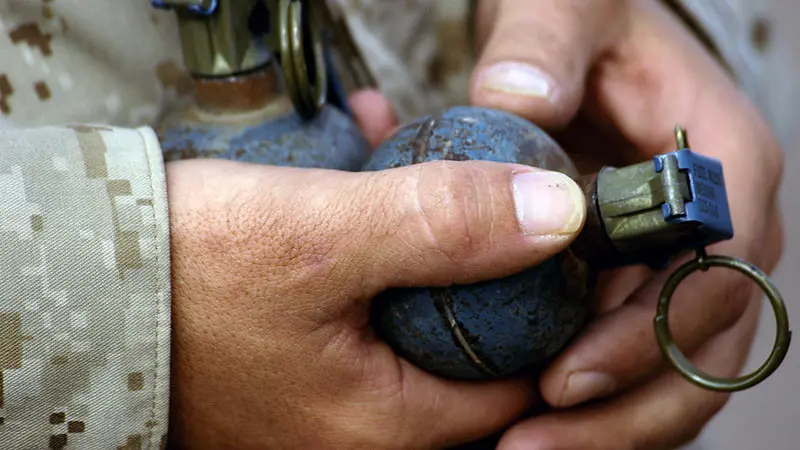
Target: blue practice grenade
265,89
492,328
646,213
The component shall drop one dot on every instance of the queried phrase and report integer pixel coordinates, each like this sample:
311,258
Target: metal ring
308,99
682,364
316,93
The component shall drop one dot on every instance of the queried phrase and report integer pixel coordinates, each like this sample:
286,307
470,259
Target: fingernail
548,203
583,386
517,78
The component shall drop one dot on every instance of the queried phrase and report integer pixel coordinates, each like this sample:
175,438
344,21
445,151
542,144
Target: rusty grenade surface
496,328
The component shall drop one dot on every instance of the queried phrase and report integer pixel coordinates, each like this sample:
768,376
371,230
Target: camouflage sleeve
84,289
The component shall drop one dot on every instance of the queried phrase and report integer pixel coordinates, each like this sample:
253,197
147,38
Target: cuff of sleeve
85,276
159,423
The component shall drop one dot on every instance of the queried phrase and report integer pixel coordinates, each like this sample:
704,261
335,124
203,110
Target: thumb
535,59
449,222
445,222
430,224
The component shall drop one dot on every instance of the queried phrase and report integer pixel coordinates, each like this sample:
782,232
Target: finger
661,77
431,224
373,113
463,412
663,414
537,55
620,349
615,286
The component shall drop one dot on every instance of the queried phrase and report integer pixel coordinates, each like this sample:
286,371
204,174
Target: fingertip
522,89
374,114
549,204
538,55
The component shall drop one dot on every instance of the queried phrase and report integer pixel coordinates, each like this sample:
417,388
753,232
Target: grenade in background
640,214
265,87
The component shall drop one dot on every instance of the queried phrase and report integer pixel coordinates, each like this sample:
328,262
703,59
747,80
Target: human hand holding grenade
267,92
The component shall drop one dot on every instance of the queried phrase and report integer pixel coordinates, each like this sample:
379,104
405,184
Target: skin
624,73
273,272
274,268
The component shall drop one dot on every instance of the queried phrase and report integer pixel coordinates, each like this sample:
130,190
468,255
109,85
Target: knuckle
455,209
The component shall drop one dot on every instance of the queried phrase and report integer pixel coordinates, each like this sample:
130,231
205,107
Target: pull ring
302,56
682,364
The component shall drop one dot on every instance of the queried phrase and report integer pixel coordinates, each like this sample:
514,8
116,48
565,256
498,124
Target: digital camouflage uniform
84,238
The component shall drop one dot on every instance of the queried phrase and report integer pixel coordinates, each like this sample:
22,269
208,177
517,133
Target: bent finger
374,114
620,350
663,414
536,57
463,411
639,91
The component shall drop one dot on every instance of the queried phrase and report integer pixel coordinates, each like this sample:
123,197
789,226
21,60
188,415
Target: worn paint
496,328
331,140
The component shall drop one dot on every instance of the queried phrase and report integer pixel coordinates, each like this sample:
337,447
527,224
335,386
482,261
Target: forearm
85,315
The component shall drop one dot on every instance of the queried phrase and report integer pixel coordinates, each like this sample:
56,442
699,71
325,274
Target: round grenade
247,118
496,328
264,88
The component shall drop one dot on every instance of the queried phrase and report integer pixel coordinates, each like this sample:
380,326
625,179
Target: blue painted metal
276,136
496,328
708,208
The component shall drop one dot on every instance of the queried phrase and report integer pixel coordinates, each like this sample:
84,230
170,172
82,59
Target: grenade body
496,328
274,135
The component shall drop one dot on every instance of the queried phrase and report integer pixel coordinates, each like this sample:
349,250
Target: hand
273,272
611,79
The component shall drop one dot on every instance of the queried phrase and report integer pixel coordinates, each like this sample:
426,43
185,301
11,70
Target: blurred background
768,417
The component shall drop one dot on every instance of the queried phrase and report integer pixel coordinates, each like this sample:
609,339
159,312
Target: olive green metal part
302,56
223,44
220,44
703,262
626,224
625,221
301,27
682,364
630,200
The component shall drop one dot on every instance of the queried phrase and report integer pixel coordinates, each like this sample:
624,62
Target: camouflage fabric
95,61
419,50
85,304
84,276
